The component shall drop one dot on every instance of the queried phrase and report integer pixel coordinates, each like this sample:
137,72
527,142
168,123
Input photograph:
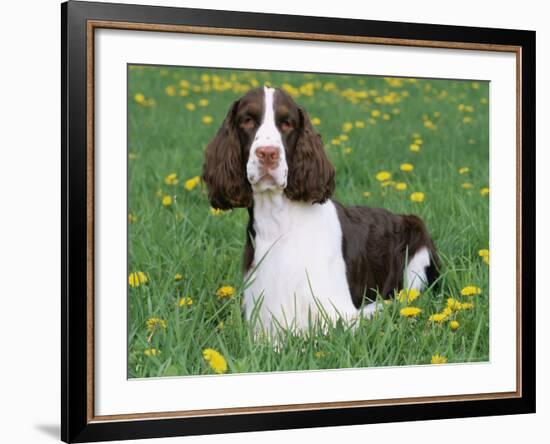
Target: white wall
29,217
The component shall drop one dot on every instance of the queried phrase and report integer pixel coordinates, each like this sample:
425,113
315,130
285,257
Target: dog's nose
268,155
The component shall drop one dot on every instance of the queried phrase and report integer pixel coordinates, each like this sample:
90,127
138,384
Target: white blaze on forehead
269,99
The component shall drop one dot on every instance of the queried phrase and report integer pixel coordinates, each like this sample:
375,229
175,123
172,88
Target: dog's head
266,143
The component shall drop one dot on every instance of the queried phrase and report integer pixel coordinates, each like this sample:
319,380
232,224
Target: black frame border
75,426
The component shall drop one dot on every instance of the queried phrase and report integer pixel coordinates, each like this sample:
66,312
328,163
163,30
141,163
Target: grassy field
181,252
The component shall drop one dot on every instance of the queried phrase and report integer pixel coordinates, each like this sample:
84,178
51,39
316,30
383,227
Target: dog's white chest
298,267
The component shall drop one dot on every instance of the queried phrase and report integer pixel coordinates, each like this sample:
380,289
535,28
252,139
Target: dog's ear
224,169
310,172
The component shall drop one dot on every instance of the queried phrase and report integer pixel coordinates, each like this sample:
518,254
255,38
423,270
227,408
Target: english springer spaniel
307,257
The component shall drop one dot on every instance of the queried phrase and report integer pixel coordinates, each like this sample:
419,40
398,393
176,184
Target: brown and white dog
303,250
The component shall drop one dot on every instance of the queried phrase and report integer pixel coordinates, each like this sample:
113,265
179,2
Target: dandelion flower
414,147
216,211
347,150
484,192
417,196
438,359
388,183
192,183
171,179
383,176
359,124
190,106
470,291
151,352
132,218
454,325
170,90
155,323
178,277
484,253
467,119
215,359
408,295
400,186
375,113
343,137
438,317
463,170
336,141
166,201
203,102
410,312
137,278
319,354
185,301
316,121
406,167
347,127
225,291
139,98
207,120
366,194
467,186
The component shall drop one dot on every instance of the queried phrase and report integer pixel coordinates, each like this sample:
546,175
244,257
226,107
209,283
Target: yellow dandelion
151,352
155,324
171,179
170,90
383,176
184,84
132,218
454,325
484,254
388,183
475,85
484,192
215,359
437,114
216,211
400,186
166,201
137,278
414,147
375,113
359,124
408,295
463,170
192,183
319,354
406,167
366,194
315,121
467,119
410,312
139,98
226,291
185,301
336,141
438,317
178,277
203,102
396,111
343,137
347,150
467,185
347,127
207,120
417,196
454,305
190,106
386,116
438,359
470,290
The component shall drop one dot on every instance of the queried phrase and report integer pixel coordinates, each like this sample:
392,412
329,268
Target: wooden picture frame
79,22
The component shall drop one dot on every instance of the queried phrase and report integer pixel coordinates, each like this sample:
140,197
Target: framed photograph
276,221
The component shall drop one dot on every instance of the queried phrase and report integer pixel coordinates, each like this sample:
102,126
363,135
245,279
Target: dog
306,256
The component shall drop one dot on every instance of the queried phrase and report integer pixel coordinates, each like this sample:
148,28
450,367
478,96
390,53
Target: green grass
186,238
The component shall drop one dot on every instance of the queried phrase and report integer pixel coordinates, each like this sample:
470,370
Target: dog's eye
248,122
286,125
